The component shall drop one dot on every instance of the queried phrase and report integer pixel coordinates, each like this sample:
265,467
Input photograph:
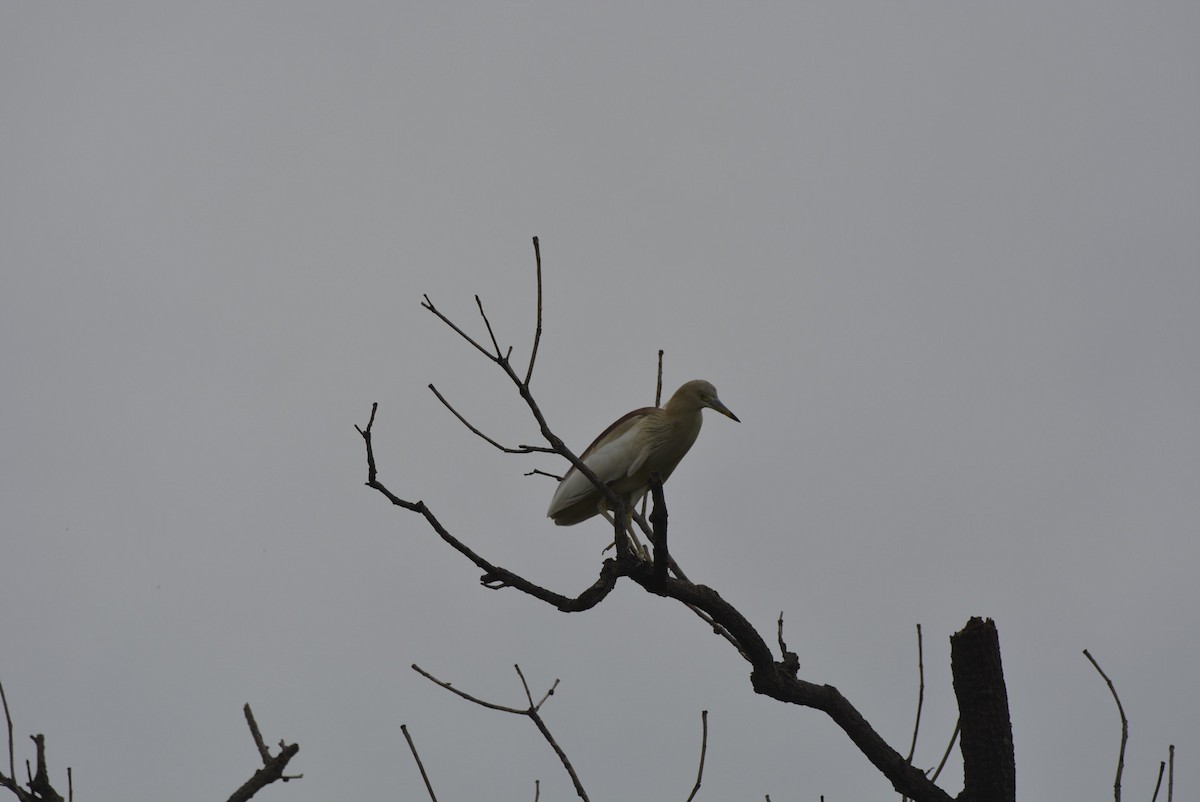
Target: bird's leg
634,544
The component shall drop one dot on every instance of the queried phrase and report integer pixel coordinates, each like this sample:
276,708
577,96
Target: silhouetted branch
531,712
520,449
1162,766
428,304
703,752
273,766
945,755
420,766
263,752
658,528
537,332
488,323
1171,773
920,693
539,472
38,783
1124,726
658,382
791,660
12,772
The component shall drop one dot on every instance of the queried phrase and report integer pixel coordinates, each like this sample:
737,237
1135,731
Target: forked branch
273,765
38,787
532,712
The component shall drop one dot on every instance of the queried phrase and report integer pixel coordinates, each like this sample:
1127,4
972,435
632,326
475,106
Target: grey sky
940,258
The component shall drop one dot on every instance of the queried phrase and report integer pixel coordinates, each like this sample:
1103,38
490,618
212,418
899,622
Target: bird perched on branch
643,442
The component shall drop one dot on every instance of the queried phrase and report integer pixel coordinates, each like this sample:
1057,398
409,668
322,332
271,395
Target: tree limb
421,766
1124,726
532,712
273,767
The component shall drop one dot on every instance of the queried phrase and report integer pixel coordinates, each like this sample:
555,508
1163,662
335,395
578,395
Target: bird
642,442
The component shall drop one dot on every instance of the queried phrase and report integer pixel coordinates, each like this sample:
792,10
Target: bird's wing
609,457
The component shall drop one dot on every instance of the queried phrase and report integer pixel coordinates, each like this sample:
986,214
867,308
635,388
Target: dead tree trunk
989,764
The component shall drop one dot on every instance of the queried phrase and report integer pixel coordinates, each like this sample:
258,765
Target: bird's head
698,394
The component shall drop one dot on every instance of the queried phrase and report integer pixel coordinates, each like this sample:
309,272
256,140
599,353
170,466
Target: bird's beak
724,410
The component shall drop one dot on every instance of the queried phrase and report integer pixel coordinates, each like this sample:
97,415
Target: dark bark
989,764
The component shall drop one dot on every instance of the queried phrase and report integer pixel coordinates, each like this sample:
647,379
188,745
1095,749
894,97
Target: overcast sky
942,259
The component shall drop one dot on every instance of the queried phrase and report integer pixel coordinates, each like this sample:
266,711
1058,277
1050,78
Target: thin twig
546,695
464,694
263,752
539,472
1171,773
531,712
8,718
1162,766
920,694
703,752
428,304
70,785
521,449
537,333
420,766
791,660
945,755
556,443
1124,726
524,685
658,384
488,323
562,756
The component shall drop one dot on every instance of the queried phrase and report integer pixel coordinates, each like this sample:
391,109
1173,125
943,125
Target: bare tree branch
40,788
945,755
488,323
703,752
539,472
1124,726
428,304
1171,773
658,383
263,752
420,766
520,449
273,766
920,693
531,712
537,332
40,784
791,660
12,773
1162,766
